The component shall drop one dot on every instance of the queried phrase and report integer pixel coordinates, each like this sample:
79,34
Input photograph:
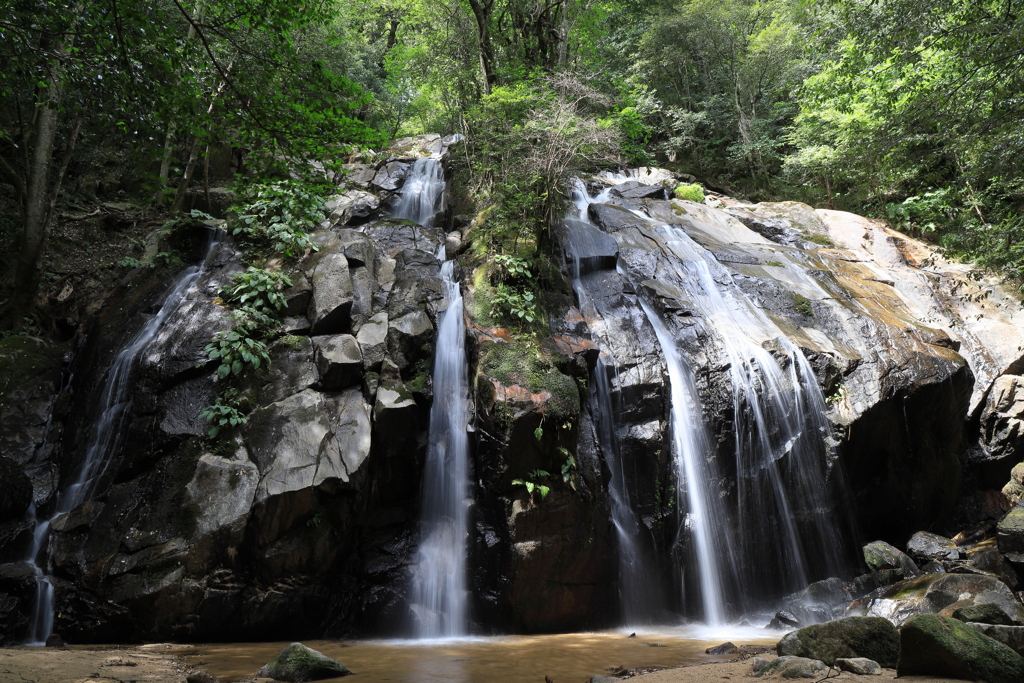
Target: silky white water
104,438
422,194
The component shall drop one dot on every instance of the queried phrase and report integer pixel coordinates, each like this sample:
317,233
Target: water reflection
565,658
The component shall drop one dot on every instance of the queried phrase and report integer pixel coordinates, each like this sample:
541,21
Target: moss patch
693,193
522,364
803,305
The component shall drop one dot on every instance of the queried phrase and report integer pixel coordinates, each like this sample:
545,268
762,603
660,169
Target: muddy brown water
564,658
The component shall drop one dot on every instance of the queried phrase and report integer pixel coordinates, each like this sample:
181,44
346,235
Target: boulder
1011,636
358,175
297,663
723,649
859,665
338,360
351,208
869,637
945,593
984,613
867,583
297,297
1010,535
589,248
935,645
15,490
928,546
879,555
793,667
985,556
390,176
331,303
290,370
349,417
221,492
372,338
757,663
633,189
1002,418
407,337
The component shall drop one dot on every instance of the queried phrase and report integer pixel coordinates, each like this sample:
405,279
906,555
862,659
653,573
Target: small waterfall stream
439,600
637,588
104,438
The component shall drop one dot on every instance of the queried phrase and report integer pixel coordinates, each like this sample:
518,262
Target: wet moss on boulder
871,637
297,663
935,645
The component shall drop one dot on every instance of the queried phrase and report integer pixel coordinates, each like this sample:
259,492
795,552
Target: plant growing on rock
236,351
258,289
531,485
224,413
279,214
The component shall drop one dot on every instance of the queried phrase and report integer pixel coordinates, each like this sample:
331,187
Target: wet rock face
934,645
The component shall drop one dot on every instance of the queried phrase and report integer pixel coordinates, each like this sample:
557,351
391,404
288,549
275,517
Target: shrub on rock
935,645
871,637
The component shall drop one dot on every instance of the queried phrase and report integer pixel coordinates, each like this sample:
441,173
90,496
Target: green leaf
544,490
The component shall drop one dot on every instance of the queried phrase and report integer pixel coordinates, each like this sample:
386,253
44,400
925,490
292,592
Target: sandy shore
157,664
53,665
741,670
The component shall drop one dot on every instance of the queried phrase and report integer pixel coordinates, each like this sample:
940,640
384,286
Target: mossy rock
871,637
298,663
522,364
794,667
934,645
693,193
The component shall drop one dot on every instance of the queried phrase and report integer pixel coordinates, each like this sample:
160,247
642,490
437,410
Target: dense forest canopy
901,109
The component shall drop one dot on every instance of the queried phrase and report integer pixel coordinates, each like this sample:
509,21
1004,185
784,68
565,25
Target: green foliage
224,413
531,483
568,468
258,289
517,304
279,214
694,192
236,351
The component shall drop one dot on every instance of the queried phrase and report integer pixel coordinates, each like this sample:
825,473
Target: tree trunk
36,208
482,14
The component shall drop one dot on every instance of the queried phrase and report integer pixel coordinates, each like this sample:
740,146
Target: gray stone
1010,636
82,516
332,296
984,613
793,667
879,555
297,297
349,418
723,649
862,666
222,491
869,637
358,175
757,663
338,360
943,593
925,545
352,207
1010,535
390,176
298,663
1002,418
590,248
290,371
407,336
358,248
866,583
372,338
934,645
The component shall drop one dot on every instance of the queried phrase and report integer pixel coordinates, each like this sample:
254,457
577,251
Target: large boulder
390,176
1011,636
297,663
879,555
934,645
1002,418
869,637
793,667
332,295
1010,535
351,208
945,593
338,360
925,546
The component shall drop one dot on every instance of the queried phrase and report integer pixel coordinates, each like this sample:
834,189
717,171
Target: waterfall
103,440
781,445
638,589
696,474
422,194
438,593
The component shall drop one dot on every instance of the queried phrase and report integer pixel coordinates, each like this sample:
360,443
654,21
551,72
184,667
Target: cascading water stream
104,439
781,446
695,473
439,601
638,589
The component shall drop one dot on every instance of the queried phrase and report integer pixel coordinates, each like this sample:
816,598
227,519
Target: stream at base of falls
565,658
